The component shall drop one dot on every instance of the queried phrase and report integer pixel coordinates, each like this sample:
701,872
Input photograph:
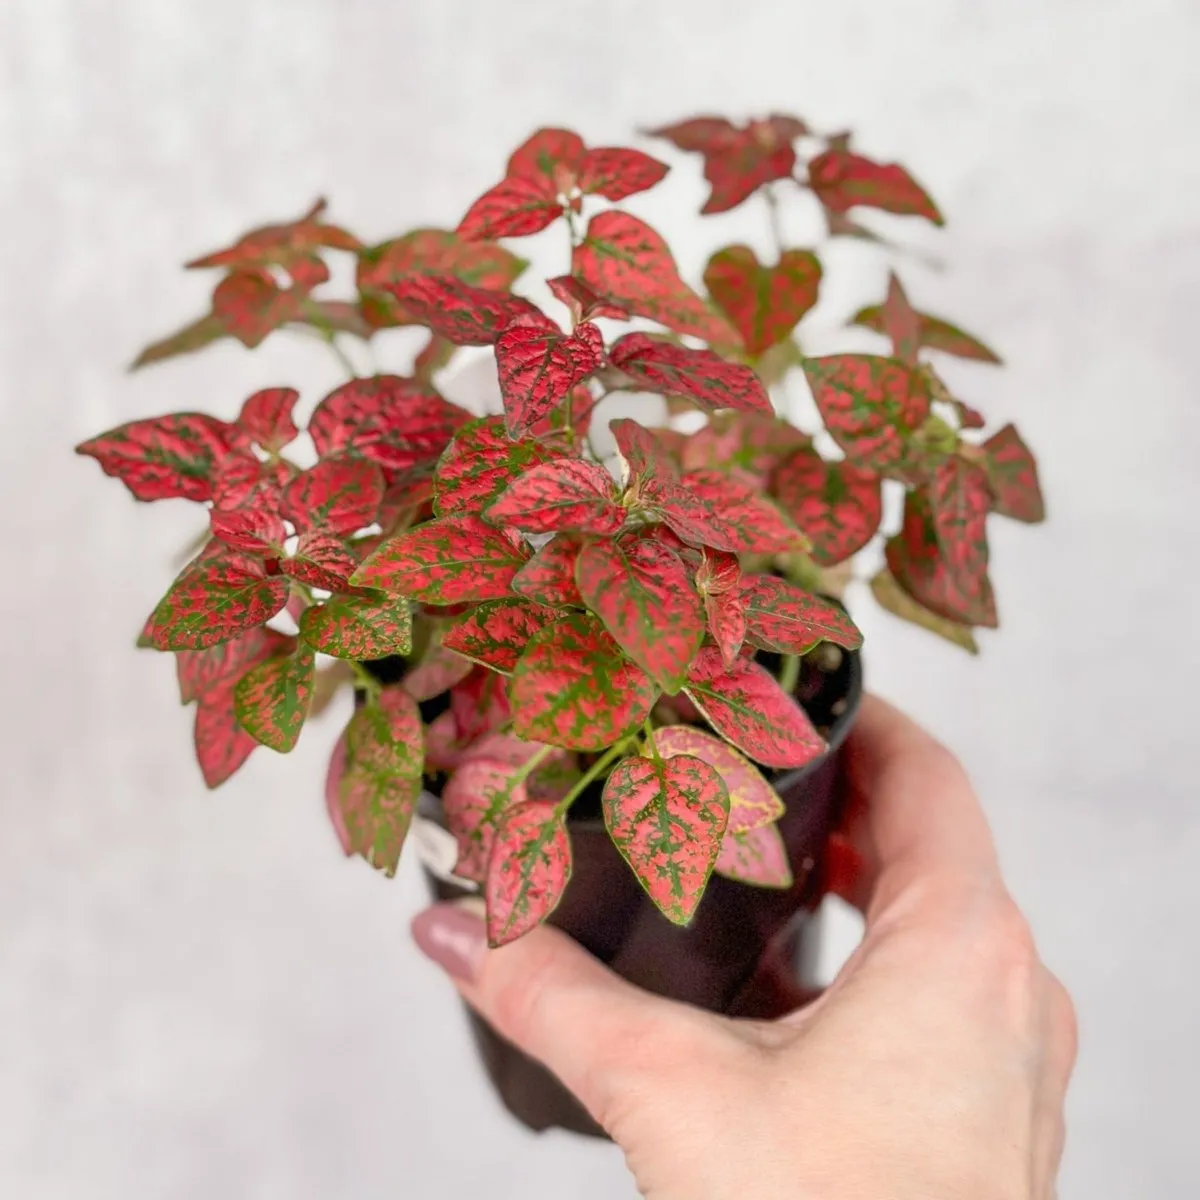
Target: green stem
339,353
648,734
789,673
591,774
772,198
365,680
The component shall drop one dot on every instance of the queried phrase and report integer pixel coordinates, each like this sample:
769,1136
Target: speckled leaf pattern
700,375
764,303
666,817
396,422
439,670
203,671
747,706
250,305
747,446
709,508
214,599
266,417
583,303
568,495
549,576
842,180
163,457
726,617
458,312
901,322
192,337
359,627
321,561
515,207
644,455
615,172
933,334
870,406
272,699
1012,477
496,633
623,259
838,506
221,744
753,802
341,494
480,790
428,251
479,703
538,366
256,528
898,602
644,595
572,687
758,857
480,463
528,870
548,155
451,560
241,481
738,160
379,787
784,618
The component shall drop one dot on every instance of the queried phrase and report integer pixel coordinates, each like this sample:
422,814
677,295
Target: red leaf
789,620
569,495
757,857
341,494
321,561
549,155
666,817
290,244
549,576
940,555
538,366
707,508
437,672
475,796
513,208
573,687
701,375
747,706
480,463
240,481
266,417
584,303
382,780
895,600
222,745
495,633
933,334
745,445
250,304
836,504
359,627
764,303
901,322
528,870
482,264
1012,477
644,454
479,703
448,561
615,172
623,259
642,592
201,672
753,802
214,599
396,422
162,457
272,699
255,529
567,425
726,616
870,405
190,338
336,316
842,180
458,312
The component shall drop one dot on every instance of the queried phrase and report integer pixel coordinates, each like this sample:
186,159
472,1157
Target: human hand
933,1068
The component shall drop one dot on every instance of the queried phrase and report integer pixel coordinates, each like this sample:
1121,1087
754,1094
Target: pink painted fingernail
453,937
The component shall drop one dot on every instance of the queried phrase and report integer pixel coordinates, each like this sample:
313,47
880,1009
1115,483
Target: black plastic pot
745,949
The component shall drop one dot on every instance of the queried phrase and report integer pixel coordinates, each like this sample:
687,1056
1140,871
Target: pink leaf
528,871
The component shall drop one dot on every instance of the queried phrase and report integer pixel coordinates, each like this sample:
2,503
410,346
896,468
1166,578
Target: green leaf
359,627
272,699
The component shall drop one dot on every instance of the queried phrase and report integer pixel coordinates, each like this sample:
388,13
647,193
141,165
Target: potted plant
607,691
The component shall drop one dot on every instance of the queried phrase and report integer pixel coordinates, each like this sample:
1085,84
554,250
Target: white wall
198,997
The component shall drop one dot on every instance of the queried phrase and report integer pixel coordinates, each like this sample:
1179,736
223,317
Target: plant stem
593,772
364,679
789,673
339,353
648,734
772,198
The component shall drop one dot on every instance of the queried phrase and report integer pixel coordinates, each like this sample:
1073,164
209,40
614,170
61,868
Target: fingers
913,820
600,1035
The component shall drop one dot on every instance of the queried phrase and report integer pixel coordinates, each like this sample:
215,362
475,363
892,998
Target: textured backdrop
198,997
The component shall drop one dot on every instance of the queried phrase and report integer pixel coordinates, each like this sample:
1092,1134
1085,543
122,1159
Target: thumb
544,993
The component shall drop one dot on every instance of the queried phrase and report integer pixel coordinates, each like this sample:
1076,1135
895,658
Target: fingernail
453,937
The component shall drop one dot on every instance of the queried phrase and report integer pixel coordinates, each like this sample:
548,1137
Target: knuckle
1064,1020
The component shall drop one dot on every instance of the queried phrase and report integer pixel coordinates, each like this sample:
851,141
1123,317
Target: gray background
198,996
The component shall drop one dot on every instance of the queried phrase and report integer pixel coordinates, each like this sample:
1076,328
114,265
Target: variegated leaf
266,417
843,180
192,337
458,312
249,304
615,172
479,703
538,366
758,857
439,670
359,627
746,445
583,303
200,672
479,791
515,207
272,699
222,745
569,495
549,576
1012,477
528,871
321,561
340,495
254,529
788,620
892,597
496,633
933,334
